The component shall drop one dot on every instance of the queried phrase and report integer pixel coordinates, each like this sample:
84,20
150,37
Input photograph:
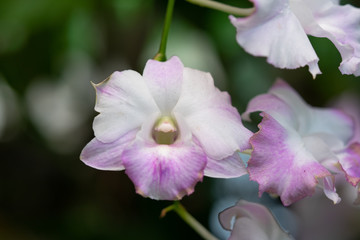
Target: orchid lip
165,131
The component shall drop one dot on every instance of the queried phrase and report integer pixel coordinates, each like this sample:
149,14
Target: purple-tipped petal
164,80
273,31
164,172
229,167
252,222
298,144
281,164
124,103
212,120
106,156
350,162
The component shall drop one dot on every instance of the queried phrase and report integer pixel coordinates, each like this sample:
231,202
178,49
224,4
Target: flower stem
243,12
161,56
190,220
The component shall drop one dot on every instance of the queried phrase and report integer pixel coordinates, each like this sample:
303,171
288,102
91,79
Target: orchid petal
311,119
287,107
124,102
328,184
350,162
164,80
252,222
349,103
166,172
212,120
274,106
316,144
287,94
281,164
340,24
247,229
229,167
106,156
273,31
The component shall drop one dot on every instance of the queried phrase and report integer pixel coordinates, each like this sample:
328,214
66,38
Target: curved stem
190,220
161,56
223,7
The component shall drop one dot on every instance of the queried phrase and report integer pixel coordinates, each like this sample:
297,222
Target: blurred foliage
45,190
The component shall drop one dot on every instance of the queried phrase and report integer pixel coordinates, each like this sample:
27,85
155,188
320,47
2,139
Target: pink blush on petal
166,172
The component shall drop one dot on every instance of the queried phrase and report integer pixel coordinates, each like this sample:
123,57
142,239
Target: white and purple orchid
299,147
253,221
277,30
167,128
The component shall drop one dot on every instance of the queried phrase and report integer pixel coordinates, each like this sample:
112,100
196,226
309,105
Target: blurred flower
299,146
226,192
350,103
320,219
253,221
10,112
167,128
277,30
58,108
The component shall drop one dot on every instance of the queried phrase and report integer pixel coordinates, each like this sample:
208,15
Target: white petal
164,80
311,119
320,146
229,167
210,116
124,103
273,31
340,24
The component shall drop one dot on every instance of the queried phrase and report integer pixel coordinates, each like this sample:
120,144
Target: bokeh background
49,53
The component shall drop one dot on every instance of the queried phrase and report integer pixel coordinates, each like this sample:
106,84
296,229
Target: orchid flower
167,128
277,30
253,221
299,147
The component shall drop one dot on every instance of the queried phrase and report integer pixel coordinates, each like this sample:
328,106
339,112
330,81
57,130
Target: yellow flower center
165,131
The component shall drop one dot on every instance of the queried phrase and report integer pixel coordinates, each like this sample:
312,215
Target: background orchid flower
167,128
318,218
350,103
253,221
299,147
277,30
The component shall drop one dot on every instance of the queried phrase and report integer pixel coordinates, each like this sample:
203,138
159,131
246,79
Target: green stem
243,12
161,56
190,220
